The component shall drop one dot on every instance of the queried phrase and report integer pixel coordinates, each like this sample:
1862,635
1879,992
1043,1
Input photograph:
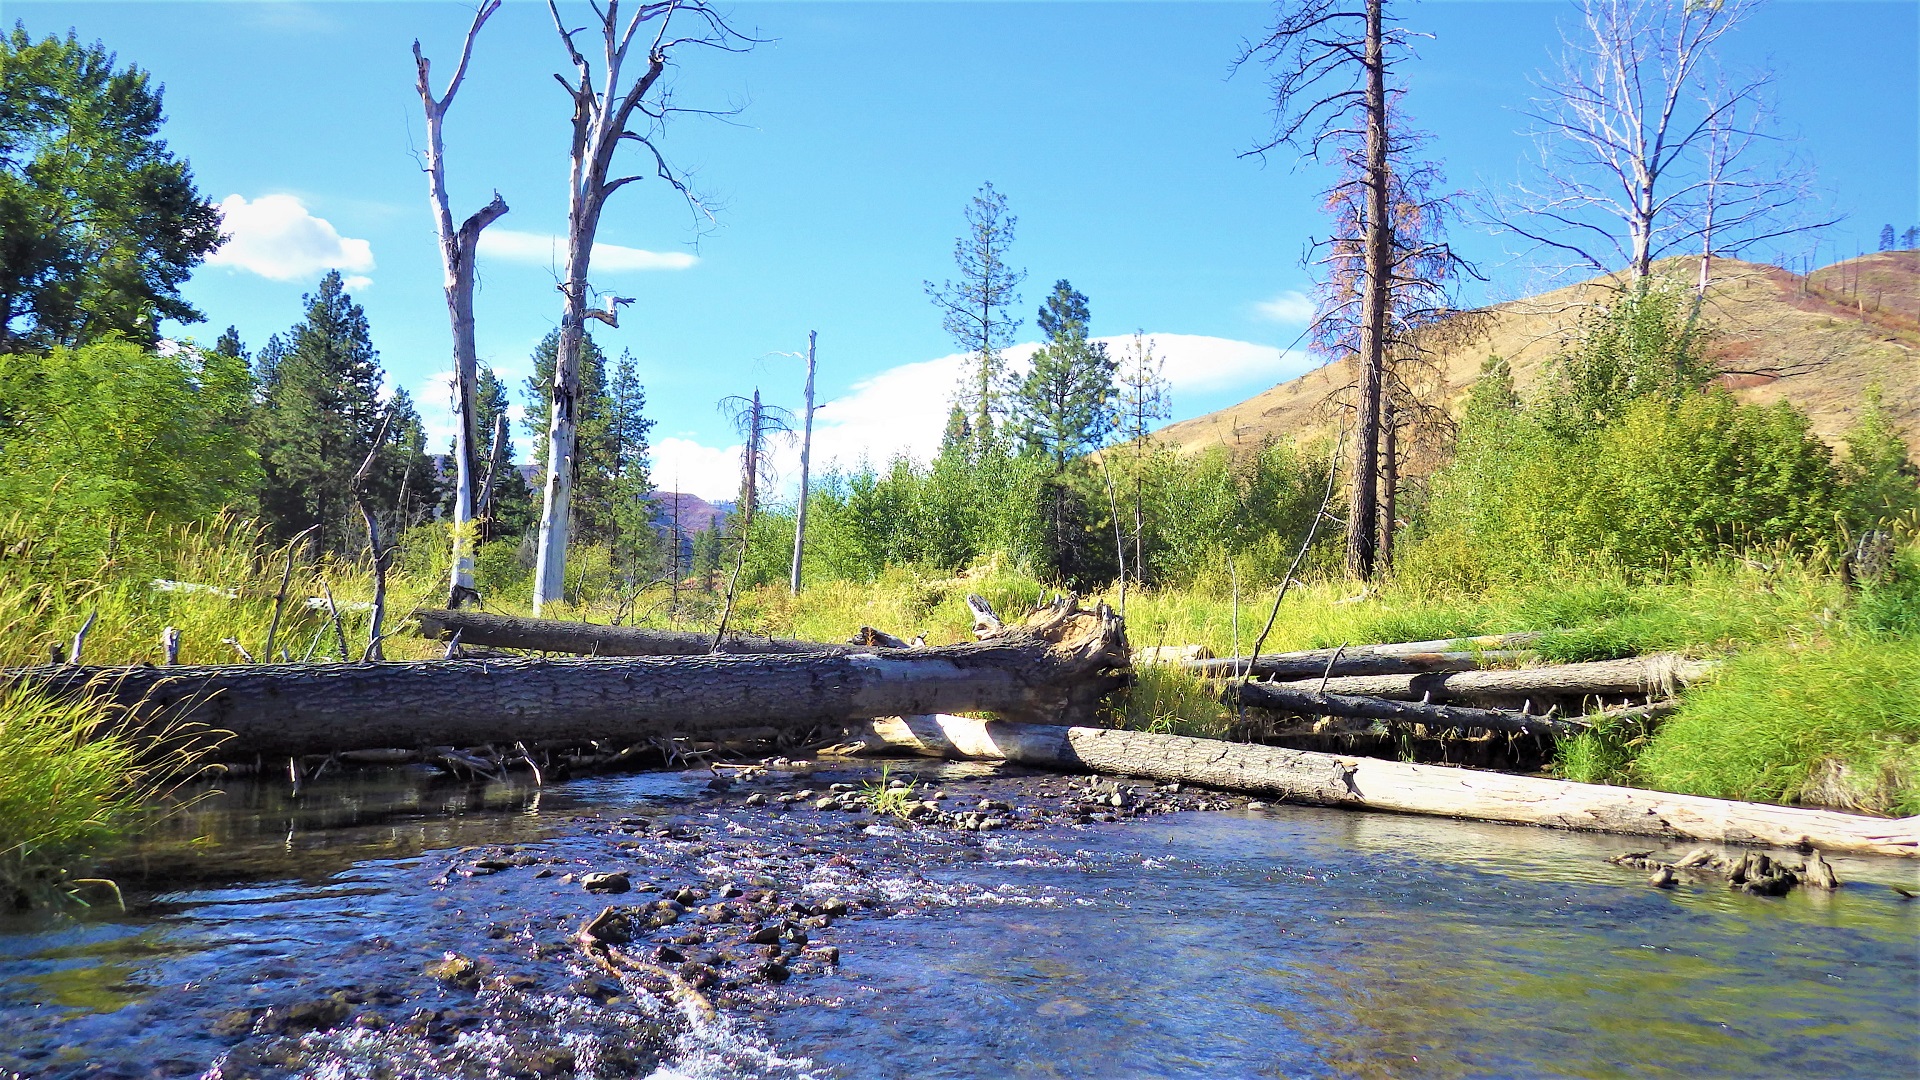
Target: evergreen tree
636,543
405,466
1910,239
320,412
977,310
1062,410
1064,407
595,455
229,344
1886,238
101,223
511,511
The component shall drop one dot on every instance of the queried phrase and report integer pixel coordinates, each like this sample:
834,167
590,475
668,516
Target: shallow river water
273,936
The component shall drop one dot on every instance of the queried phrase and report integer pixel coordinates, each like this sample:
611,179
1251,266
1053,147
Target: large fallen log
1061,661
1375,784
1451,717
1320,663
1658,676
593,639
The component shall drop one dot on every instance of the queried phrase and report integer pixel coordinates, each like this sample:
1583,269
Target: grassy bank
1820,701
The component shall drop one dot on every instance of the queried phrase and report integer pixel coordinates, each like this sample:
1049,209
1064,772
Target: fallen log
1322,663
593,639
1279,698
1375,784
1647,675
1061,661
1288,665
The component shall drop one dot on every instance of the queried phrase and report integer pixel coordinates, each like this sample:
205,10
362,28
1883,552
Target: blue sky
1113,129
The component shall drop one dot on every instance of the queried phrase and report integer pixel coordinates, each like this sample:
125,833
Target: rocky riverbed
919,918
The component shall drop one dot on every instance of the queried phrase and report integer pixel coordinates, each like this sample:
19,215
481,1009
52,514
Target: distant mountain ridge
1819,340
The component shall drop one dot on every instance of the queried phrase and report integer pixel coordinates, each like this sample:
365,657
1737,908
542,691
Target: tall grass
70,782
1834,722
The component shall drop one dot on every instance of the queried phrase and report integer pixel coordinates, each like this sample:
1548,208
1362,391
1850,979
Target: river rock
455,970
615,881
319,1014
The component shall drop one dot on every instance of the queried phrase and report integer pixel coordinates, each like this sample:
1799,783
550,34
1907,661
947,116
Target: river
270,936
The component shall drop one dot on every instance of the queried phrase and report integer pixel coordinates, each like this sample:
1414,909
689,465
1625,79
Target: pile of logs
1441,686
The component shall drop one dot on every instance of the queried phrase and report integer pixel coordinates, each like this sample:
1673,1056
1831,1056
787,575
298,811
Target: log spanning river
384,925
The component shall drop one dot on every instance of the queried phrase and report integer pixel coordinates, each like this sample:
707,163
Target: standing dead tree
457,249
756,422
1645,146
612,104
1421,269
1329,62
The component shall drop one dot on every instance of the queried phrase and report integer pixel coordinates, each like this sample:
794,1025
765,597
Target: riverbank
1170,940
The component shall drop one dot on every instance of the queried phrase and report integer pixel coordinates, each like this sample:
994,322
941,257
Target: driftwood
1060,662
1313,662
1453,717
592,639
1322,663
1374,784
1648,675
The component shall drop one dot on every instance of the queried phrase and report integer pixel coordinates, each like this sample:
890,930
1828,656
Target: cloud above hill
276,237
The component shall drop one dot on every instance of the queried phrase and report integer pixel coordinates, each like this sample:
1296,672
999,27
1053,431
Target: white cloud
904,410
687,466
540,249
1292,307
1196,363
357,283
274,236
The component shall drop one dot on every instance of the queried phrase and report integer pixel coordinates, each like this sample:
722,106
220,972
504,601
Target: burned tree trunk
1057,666
1359,659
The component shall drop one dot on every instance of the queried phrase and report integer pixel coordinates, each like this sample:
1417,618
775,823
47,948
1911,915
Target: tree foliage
99,223
977,310
125,437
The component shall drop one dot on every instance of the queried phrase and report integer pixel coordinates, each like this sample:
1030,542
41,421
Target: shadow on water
1297,942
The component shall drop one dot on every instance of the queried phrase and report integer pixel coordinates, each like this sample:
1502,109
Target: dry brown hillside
1819,341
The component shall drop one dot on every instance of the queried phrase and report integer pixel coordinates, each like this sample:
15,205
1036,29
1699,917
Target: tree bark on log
1062,662
1369,659
1658,676
591,639
1374,784
1455,717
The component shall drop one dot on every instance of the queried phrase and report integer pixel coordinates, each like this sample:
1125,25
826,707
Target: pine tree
509,511
637,547
1910,239
320,411
977,310
406,468
1062,410
1142,392
1064,406
594,452
1886,238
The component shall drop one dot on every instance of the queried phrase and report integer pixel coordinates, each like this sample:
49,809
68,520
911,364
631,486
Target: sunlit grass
71,781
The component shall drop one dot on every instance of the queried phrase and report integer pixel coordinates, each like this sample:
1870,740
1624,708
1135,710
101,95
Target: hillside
1819,340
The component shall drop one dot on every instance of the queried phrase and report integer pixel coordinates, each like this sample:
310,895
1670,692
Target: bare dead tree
1144,397
1646,146
457,249
757,423
380,555
612,105
1329,63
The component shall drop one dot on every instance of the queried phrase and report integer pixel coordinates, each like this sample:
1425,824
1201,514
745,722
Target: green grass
1833,721
70,783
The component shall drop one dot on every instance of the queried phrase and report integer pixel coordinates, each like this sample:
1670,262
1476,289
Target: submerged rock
611,882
